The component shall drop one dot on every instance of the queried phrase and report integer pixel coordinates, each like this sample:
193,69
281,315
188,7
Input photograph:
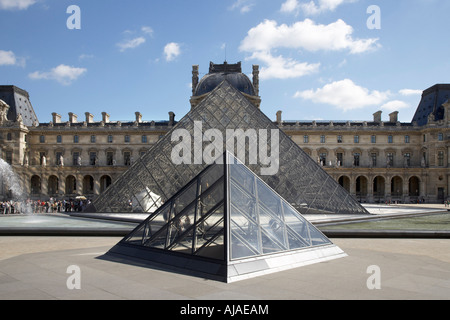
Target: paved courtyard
36,267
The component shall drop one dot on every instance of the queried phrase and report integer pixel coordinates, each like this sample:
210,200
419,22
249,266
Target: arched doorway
53,186
378,189
71,185
35,185
397,187
88,185
105,182
414,187
361,188
345,183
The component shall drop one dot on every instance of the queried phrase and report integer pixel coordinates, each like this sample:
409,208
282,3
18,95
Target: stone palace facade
375,161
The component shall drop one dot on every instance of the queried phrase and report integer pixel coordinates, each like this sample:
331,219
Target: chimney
256,79
377,116
194,78
138,117
105,117
393,117
171,118
89,117
73,118
279,118
56,117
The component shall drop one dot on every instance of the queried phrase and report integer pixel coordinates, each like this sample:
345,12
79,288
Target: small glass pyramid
228,224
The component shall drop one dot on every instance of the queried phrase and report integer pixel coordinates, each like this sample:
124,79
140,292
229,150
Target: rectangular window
440,136
42,139
356,158
441,158
374,159
93,139
373,139
407,139
109,158
390,139
110,139
144,139
76,139
127,158
58,158
93,158
58,139
340,159
390,159
407,159
127,139
322,139
305,139
356,139
42,155
323,159
339,139
76,159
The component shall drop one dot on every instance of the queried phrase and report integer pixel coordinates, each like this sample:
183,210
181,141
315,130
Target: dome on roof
221,72
238,80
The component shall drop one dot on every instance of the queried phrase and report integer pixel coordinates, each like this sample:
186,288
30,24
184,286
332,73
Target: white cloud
283,68
345,95
171,51
16,4
290,6
147,30
63,74
305,35
8,58
243,6
131,44
311,8
394,105
410,92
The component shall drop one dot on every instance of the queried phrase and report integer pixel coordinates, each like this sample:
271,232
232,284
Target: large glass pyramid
155,178
227,224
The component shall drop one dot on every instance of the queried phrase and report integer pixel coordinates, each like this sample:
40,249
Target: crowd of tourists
38,206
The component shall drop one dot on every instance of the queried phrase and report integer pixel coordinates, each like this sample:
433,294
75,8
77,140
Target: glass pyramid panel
154,178
261,221
191,222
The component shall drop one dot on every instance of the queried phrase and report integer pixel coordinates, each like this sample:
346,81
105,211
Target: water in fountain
10,180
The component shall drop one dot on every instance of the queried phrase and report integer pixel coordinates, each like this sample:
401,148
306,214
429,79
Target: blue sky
319,59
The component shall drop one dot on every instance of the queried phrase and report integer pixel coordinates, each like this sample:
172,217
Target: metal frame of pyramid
154,178
228,225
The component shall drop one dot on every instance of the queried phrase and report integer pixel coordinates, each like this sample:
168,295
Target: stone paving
36,268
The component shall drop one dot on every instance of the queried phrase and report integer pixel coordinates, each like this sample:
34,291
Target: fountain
9,181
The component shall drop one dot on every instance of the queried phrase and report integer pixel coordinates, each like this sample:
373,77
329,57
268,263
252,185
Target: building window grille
305,139
144,139
322,139
441,158
373,139
390,139
127,139
93,139
110,139
339,139
42,139
76,139
407,140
